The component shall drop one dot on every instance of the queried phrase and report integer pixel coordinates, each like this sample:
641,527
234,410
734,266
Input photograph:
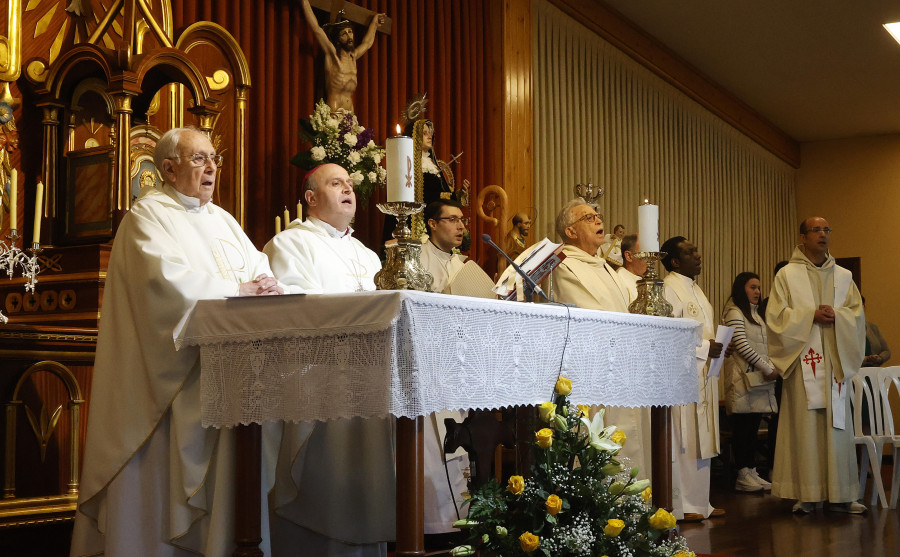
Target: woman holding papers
749,378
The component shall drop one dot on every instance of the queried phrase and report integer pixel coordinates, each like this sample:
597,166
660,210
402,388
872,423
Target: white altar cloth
407,353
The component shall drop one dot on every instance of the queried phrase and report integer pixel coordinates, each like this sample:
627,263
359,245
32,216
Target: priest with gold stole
155,482
586,280
335,483
817,332
695,426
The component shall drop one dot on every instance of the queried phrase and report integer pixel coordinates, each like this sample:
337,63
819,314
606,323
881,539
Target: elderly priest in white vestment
335,483
695,426
155,482
817,337
586,280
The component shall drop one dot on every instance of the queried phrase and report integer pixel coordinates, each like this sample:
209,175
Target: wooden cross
353,13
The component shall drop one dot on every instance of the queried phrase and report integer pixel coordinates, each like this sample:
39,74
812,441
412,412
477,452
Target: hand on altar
263,285
715,349
824,315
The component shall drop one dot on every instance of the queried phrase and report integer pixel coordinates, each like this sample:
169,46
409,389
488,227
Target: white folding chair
873,442
891,376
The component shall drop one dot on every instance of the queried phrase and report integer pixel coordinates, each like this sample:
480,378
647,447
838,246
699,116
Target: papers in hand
723,336
537,261
472,281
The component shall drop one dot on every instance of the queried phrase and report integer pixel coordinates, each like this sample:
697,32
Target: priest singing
155,482
335,485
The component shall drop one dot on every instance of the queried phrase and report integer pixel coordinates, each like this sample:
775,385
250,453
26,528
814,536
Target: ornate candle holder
651,298
11,257
589,192
402,269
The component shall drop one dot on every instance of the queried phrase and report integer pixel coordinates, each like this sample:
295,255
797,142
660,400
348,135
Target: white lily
599,435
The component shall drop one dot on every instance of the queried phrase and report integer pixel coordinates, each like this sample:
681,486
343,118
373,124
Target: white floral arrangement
338,138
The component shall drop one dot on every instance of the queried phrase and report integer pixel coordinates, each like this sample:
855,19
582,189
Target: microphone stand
529,286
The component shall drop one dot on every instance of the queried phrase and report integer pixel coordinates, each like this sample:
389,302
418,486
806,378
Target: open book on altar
471,280
537,261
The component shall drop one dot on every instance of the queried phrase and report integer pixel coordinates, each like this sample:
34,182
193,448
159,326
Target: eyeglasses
199,159
817,229
592,218
456,220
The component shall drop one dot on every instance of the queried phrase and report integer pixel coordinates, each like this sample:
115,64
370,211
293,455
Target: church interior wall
602,117
853,184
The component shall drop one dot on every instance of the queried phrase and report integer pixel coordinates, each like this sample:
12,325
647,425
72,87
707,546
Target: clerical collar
330,230
190,204
439,250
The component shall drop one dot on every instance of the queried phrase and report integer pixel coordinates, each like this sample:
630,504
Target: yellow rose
647,494
613,527
553,504
529,542
584,409
618,438
563,386
547,410
544,438
685,554
662,520
516,485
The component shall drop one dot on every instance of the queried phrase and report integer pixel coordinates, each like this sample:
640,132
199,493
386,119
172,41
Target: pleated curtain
603,118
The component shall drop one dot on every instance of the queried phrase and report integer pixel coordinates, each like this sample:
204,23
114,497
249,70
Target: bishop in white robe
154,481
335,485
695,426
586,280
817,338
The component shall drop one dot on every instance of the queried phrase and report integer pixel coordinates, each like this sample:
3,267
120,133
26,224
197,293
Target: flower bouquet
579,501
337,137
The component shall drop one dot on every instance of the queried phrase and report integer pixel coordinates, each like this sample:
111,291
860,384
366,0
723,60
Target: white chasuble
814,460
443,266
154,481
314,256
335,480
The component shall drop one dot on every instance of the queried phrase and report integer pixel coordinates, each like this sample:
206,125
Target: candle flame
646,201
399,131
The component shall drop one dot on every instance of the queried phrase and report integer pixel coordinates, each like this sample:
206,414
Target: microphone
529,282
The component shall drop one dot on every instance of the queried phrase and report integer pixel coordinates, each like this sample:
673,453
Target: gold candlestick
402,269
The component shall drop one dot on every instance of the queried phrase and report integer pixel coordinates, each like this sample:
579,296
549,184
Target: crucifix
339,45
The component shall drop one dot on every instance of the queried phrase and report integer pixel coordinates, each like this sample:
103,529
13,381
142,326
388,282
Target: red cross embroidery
811,359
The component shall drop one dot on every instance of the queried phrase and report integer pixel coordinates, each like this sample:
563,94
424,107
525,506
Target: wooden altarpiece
104,79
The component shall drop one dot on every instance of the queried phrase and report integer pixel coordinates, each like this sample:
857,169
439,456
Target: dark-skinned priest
817,337
335,486
695,426
155,482
586,280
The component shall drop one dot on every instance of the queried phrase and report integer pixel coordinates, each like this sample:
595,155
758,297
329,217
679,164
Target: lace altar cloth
407,353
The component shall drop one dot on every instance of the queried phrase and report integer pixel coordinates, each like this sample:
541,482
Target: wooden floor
763,526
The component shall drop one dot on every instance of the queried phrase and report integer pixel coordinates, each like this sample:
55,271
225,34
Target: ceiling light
894,30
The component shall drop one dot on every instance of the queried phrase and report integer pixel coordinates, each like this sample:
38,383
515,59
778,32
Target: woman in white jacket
749,378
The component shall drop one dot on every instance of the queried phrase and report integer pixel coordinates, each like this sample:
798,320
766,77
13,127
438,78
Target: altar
408,354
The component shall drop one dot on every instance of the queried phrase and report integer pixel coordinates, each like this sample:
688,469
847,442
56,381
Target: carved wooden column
50,162
122,186
240,149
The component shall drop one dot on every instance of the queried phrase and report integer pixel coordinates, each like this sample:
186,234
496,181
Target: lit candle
648,226
400,174
287,217
13,200
38,211
277,225
300,210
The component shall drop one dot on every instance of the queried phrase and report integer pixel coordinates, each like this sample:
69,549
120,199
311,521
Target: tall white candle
13,200
648,226
400,169
38,211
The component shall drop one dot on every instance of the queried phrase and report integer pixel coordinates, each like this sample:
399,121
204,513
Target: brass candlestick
402,269
651,298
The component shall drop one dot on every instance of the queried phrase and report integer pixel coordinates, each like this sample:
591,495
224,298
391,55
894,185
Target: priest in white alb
586,280
335,483
154,481
632,269
445,224
817,336
695,426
